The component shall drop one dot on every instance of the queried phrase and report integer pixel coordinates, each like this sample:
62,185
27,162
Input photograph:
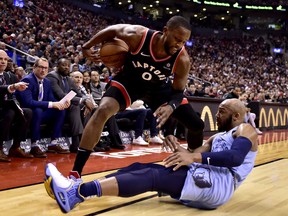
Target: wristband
176,98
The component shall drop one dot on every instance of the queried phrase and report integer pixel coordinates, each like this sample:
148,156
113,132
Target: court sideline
264,192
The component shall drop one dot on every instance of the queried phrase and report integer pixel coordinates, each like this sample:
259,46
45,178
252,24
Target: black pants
155,98
186,115
13,125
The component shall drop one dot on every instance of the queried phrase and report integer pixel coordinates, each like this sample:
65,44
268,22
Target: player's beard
225,125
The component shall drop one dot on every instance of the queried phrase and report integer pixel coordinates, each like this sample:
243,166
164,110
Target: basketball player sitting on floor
206,178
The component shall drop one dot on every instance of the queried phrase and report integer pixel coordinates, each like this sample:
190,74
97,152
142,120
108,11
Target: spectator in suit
12,114
46,109
61,85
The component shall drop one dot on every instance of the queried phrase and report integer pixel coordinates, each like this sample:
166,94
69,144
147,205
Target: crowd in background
247,62
219,63
52,29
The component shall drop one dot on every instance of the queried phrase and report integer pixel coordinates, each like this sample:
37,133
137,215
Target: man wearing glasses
46,109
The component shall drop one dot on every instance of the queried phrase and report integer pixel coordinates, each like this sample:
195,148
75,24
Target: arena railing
191,77
20,51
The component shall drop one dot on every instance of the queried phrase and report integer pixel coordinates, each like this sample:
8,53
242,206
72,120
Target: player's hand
162,114
92,54
170,143
181,157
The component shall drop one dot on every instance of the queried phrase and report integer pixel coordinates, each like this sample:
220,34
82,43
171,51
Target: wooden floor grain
264,193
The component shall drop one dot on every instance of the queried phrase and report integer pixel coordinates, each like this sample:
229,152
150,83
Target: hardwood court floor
263,193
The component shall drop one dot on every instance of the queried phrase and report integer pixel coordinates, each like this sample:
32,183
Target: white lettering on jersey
151,70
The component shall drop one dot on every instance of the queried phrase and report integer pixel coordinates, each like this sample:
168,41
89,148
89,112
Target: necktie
2,80
65,84
41,91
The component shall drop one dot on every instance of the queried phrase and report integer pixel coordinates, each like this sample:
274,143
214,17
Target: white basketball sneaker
65,190
139,141
156,140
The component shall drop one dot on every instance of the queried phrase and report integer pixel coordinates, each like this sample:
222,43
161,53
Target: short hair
38,59
61,60
178,21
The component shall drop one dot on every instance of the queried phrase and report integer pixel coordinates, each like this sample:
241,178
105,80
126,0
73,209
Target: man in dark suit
39,97
11,114
61,85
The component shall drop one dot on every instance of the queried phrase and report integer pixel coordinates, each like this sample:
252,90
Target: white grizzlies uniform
209,187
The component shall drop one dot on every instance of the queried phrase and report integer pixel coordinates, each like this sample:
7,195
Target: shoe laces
61,141
40,146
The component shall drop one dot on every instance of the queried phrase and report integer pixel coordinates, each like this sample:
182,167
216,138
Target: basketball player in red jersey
152,59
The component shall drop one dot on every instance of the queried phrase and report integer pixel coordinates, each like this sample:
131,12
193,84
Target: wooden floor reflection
264,192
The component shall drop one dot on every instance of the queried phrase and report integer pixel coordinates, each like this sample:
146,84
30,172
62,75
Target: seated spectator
249,117
190,91
39,97
111,124
74,67
11,113
61,85
10,69
86,81
284,99
234,93
199,90
78,79
138,112
206,91
97,86
213,92
86,65
105,75
31,58
20,73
